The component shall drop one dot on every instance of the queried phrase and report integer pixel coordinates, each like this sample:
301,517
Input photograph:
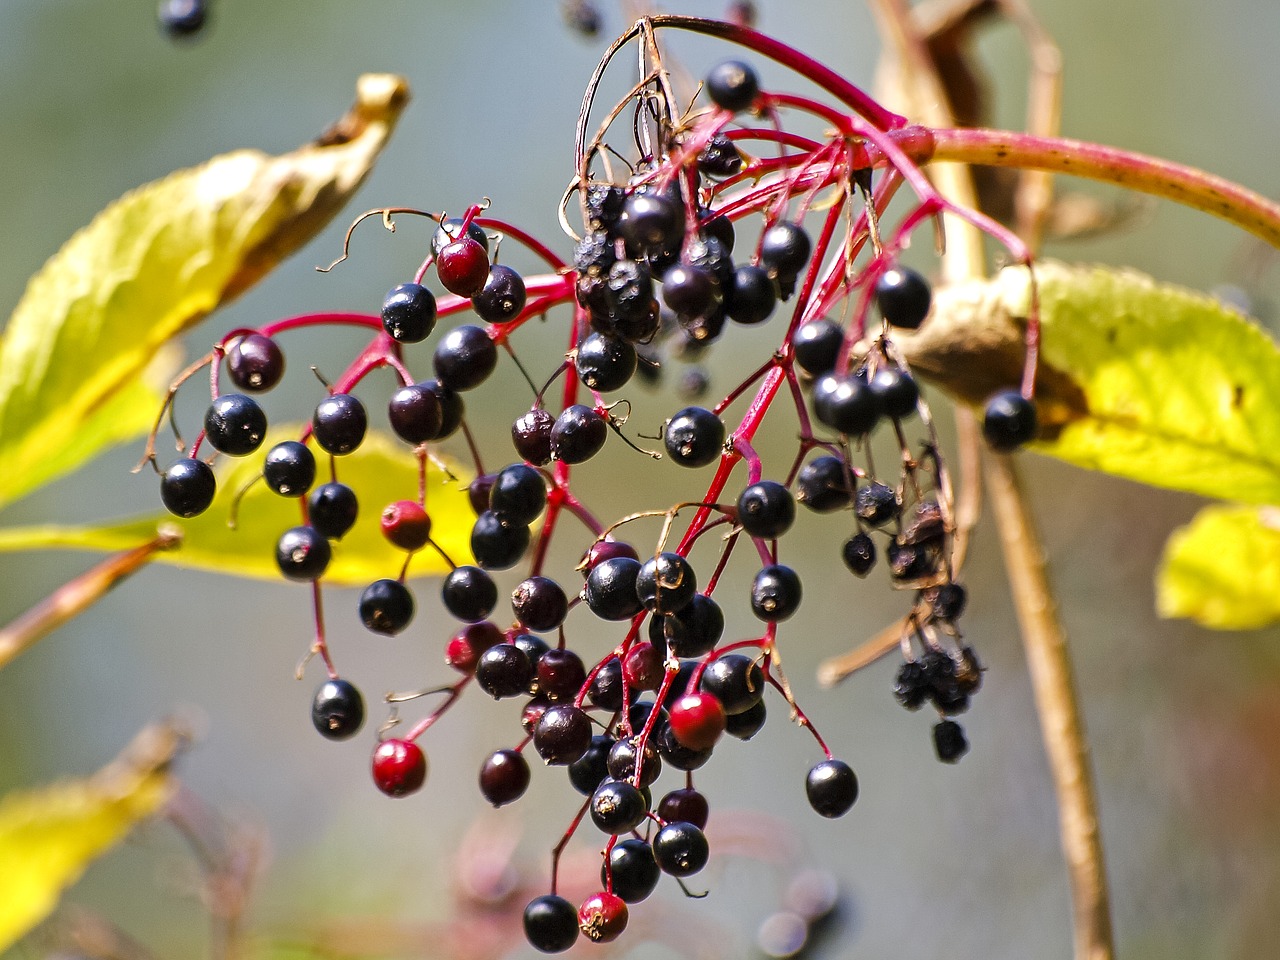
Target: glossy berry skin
504,777
685,804
302,553
332,508
502,297
766,509
896,391
466,647
876,503
681,849
415,413
691,631
633,869
694,437
451,229
651,222
736,681
610,590
496,545
603,550
339,423
817,346
405,524
539,603
617,807
551,924
776,593
605,691
719,158
697,720
750,296
605,363
409,313
187,487
1009,421
578,434
845,404
255,363
643,667
289,468
560,674
463,266
822,484
785,249
386,607
903,297
518,494
563,734
464,358
478,493
859,554
602,917
182,19
732,85
531,435
745,725
666,583
949,741
469,594
451,408
592,768
690,291
337,710
399,767
832,788
235,425
628,291
623,757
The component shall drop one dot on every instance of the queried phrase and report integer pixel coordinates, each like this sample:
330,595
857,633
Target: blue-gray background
935,860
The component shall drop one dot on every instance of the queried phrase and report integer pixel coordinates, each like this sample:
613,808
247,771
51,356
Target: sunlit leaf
1138,379
1223,569
381,471
48,836
148,267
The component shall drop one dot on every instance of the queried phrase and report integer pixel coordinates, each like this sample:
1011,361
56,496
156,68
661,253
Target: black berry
187,487
578,434
386,606
497,545
633,869
539,603
409,313
617,807
817,346
551,924
832,788
255,363
694,437
845,404
949,741
531,435
339,423
235,425
859,554
732,85
903,297
563,734
332,509
775,593
610,590
784,249
666,583
766,509
750,295
302,553
896,391
464,358
605,363
681,849
502,297
823,484
469,594
289,468
1009,421
415,413
337,711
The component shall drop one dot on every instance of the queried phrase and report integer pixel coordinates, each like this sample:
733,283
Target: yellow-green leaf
381,471
1223,569
148,267
1146,381
48,836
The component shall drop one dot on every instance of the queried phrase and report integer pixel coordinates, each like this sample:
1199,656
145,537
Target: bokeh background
935,860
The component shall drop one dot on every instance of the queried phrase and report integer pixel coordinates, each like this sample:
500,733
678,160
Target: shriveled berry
602,917
694,437
766,509
187,487
464,358
415,413
775,593
463,266
823,484
469,594
551,924
732,85
949,741
681,849
339,423
235,425
539,603
859,554
255,363
817,346
831,787
504,777
337,710
911,684
406,525
302,553
578,434
502,297
332,509
876,504
948,601
1009,421
563,734
604,205
386,606
399,767
409,313
633,870
903,297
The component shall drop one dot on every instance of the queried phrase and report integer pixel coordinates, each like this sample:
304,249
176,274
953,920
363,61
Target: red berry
465,647
463,267
399,767
406,524
697,720
602,917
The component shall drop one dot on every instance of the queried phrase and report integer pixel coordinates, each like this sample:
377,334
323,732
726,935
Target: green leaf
148,267
49,836
1223,569
381,471
1145,381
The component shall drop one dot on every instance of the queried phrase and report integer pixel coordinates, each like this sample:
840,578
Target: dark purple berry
187,487
610,590
823,484
775,593
469,594
748,723
332,509
690,291
605,690
684,804
832,788
235,425
504,670
339,423
518,494
736,681
784,249
617,807
289,468
560,675
415,413
1009,421
563,734
633,870
732,85
337,710
817,346
255,363
876,504
464,358
302,553
845,404
578,434
409,313
531,435
502,297
605,363
504,777
623,756
651,222
681,849
903,297
694,437
592,768
386,606
766,509
478,493
540,604
750,295
497,545
691,631
719,158
551,924
182,19
895,390
451,408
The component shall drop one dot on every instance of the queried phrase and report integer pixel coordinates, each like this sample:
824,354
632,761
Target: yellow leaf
1142,380
148,267
1223,569
48,836
381,471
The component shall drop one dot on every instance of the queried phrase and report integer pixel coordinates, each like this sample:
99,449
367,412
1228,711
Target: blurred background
934,860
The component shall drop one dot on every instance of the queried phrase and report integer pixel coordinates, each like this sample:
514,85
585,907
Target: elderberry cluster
658,266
